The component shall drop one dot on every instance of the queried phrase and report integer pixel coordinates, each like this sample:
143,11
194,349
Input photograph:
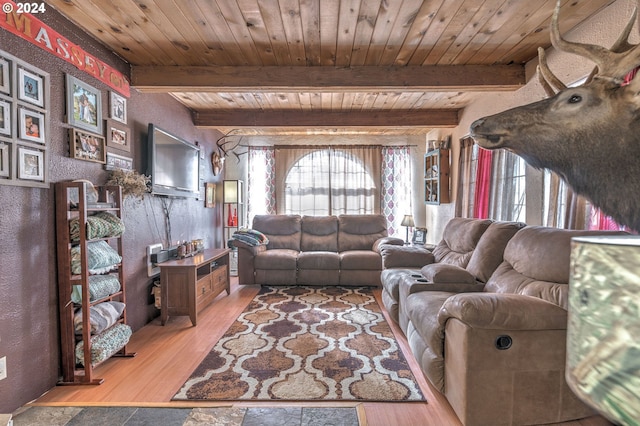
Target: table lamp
603,330
408,222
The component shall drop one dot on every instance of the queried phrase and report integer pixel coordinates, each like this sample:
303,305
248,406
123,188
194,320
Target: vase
235,217
229,216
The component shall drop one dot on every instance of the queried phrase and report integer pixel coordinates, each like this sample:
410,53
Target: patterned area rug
306,343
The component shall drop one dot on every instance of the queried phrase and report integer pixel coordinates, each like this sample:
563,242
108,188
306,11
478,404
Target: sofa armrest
501,311
251,249
395,256
387,240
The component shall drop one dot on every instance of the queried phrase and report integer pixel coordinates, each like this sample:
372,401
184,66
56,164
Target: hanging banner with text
16,19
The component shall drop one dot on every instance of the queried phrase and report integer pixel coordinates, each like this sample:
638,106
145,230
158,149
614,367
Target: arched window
329,181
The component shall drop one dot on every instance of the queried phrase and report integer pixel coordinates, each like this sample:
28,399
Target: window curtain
321,180
396,186
601,221
565,209
466,179
507,199
261,188
483,185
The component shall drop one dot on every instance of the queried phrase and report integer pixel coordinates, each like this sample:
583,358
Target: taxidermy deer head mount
590,134
218,158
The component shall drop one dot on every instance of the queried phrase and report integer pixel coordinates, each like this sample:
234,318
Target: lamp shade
230,192
603,330
407,220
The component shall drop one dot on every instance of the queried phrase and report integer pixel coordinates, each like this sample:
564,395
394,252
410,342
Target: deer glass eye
574,99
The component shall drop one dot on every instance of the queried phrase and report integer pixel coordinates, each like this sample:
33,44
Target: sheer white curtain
396,186
322,180
261,189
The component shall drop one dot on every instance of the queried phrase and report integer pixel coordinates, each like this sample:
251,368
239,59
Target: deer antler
552,84
612,63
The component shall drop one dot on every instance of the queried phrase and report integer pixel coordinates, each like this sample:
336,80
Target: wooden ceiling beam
393,119
166,79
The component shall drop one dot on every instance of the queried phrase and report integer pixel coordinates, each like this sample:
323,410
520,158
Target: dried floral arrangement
133,183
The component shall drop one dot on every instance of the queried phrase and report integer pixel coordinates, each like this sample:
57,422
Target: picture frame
5,118
115,161
30,87
30,164
5,155
118,107
5,80
31,125
87,146
419,236
84,105
118,138
209,195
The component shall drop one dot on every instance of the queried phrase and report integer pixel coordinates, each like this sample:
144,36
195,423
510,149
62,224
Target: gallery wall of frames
24,123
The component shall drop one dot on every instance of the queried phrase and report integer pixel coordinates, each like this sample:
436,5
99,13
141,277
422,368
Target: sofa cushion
459,239
445,273
360,231
394,256
283,231
488,253
536,263
319,233
319,260
276,259
360,259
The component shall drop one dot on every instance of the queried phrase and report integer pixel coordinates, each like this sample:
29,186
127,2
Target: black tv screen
173,164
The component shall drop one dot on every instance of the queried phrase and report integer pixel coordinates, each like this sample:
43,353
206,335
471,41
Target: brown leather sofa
315,250
494,345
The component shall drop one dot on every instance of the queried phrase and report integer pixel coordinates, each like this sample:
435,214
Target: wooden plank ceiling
316,66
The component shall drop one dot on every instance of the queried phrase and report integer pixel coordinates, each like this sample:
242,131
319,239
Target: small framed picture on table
419,236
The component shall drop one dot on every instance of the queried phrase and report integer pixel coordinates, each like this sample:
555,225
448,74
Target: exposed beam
327,79
322,119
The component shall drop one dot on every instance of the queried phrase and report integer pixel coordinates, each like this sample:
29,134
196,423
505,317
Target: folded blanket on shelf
101,316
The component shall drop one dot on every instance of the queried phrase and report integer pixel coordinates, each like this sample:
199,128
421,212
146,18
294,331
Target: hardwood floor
166,356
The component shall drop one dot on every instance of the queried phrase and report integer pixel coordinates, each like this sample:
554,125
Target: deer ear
632,91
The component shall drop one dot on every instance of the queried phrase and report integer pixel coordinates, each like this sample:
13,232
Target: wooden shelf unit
67,210
436,176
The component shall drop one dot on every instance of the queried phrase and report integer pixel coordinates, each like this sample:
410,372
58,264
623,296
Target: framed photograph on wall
87,146
115,161
118,137
4,159
31,125
5,82
209,195
118,107
84,105
30,87
30,164
5,118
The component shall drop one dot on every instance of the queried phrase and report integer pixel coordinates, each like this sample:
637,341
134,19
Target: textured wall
28,285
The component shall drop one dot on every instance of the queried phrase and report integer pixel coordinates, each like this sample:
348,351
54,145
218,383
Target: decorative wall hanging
30,87
210,195
5,118
5,155
115,161
31,125
31,164
86,146
118,137
5,86
84,105
24,124
118,107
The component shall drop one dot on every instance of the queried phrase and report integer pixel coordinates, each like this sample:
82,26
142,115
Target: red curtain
600,221
483,184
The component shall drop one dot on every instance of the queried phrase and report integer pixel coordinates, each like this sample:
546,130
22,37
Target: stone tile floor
224,416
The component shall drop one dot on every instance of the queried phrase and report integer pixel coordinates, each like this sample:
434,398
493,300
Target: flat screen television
173,164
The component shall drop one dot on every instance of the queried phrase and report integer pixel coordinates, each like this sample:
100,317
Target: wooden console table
190,284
